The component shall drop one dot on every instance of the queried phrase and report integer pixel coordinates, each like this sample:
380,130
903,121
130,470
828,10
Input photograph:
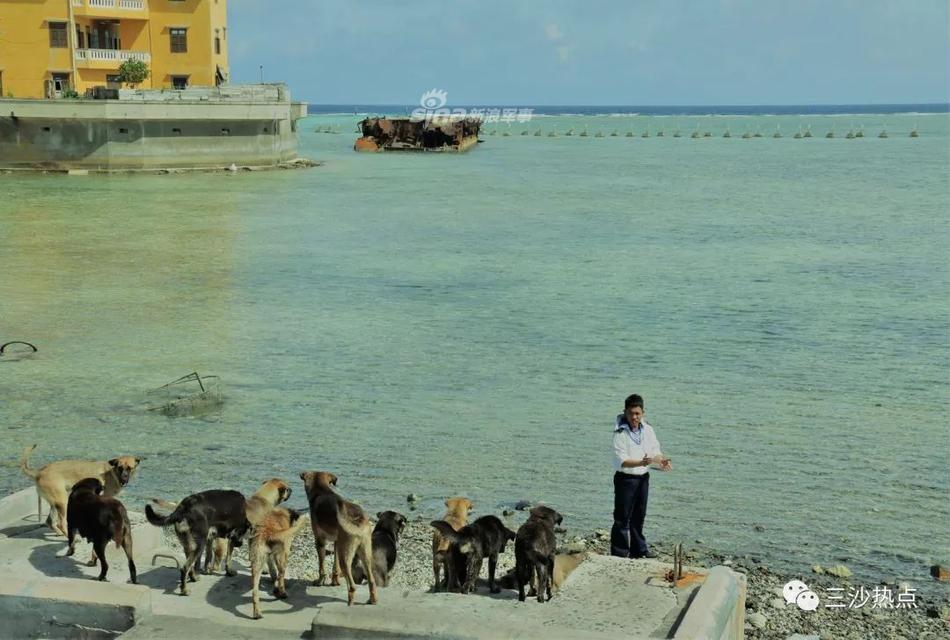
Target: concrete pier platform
50,596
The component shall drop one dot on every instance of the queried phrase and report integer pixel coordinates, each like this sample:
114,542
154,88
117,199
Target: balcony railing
112,55
128,5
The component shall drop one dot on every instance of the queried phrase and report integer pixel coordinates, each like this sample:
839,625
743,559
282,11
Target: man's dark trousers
630,509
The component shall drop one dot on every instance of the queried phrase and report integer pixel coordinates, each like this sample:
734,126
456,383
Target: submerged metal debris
189,395
407,134
17,350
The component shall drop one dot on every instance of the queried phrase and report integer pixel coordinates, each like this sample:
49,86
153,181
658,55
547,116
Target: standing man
635,448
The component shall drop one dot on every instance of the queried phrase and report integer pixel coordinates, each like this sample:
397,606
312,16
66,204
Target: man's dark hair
633,400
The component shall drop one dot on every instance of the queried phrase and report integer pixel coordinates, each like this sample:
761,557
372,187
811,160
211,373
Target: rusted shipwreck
409,134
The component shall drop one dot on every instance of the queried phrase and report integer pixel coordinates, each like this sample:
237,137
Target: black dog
195,516
385,541
535,546
98,519
486,536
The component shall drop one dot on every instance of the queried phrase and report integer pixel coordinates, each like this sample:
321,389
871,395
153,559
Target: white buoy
233,167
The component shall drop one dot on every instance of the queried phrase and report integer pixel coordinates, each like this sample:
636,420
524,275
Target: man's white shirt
626,448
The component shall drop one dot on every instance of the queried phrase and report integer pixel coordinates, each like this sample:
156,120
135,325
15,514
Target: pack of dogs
210,524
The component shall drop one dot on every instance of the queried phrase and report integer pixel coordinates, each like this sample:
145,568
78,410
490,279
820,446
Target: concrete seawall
150,130
49,596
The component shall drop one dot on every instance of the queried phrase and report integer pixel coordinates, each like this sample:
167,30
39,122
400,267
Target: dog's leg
208,556
71,538
190,547
61,525
544,586
550,574
127,547
366,554
347,547
473,569
492,563
272,570
228,569
280,562
436,570
99,548
335,576
321,560
254,554
92,559
520,577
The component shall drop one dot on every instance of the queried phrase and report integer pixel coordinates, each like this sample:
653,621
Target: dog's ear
138,460
447,502
333,479
379,514
303,476
114,462
559,518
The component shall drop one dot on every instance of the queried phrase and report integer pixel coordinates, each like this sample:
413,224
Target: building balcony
108,58
111,8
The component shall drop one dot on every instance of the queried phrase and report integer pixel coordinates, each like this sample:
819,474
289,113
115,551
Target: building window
180,82
217,45
58,38
179,40
80,38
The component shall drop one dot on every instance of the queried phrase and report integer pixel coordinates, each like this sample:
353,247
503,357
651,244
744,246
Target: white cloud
553,32
564,53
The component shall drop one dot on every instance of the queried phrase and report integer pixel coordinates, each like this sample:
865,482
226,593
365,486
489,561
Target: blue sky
608,52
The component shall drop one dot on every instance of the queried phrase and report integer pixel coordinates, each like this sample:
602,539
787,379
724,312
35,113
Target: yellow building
48,47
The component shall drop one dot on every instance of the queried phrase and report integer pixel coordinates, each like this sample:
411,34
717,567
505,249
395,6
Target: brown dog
344,523
535,548
456,514
271,539
99,519
55,480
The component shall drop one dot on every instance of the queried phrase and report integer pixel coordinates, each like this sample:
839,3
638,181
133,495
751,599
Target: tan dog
344,523
456,514
564,565
55,480
271,539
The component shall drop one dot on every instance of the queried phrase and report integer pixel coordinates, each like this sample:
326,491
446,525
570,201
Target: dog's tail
163,521
297,522
446,530
25,462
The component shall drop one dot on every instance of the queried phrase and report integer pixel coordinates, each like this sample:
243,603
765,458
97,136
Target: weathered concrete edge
298,163
718,610
16,507
27,605
337,622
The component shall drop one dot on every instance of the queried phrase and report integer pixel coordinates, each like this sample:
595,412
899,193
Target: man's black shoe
649,554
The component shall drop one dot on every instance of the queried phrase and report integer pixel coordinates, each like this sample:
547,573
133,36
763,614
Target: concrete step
179,627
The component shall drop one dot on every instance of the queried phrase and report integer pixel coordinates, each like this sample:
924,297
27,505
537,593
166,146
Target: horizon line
775,104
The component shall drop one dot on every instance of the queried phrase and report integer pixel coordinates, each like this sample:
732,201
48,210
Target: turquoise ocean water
440,325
